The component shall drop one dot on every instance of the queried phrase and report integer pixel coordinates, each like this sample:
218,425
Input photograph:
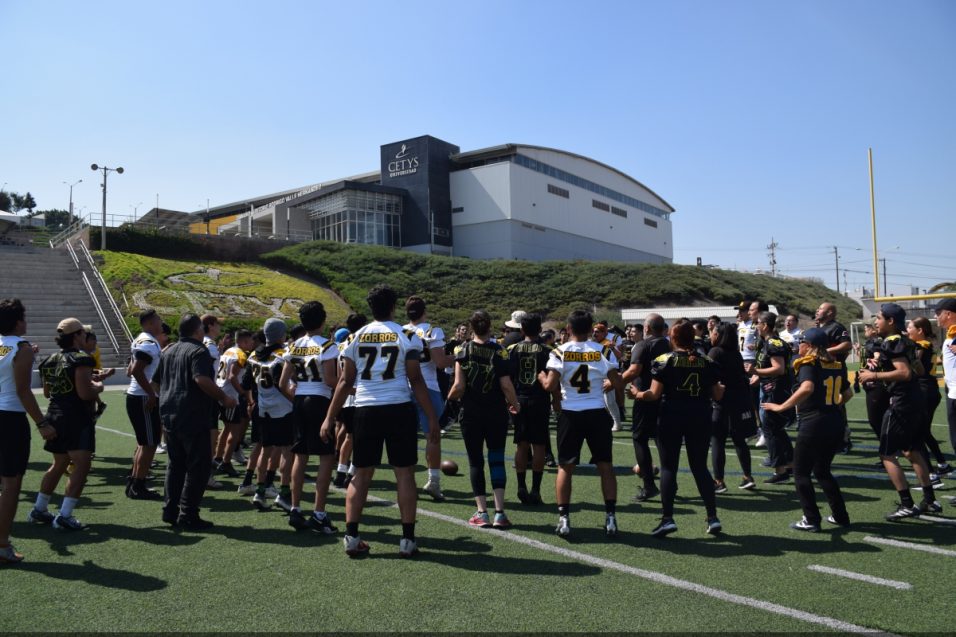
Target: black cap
816,337
895,312
946,304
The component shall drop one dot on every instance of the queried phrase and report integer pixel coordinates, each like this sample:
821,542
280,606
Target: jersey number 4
371,353
579,380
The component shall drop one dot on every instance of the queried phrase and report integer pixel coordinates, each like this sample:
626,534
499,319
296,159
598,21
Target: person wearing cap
16,401
274,416
142,405
187,395
946,319
902,424
513,328
821,387
68,382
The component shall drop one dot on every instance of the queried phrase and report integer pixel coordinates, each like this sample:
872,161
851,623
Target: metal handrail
69,248
67,233
99,312
106,291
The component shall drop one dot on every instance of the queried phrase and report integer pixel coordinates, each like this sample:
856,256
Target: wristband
43,423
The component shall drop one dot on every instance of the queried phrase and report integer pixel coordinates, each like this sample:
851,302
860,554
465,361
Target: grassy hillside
454,287
245,294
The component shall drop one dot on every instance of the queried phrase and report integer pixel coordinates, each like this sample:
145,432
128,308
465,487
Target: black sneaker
194,523
714,526
65,523
323,526
930,507
523,496
348,478
903,512
40,517
143,493
803,525
228,469
171,517
747,483
944,469
645,494
666,527
297,520
534,499
777,478
549,461
339,481
720,486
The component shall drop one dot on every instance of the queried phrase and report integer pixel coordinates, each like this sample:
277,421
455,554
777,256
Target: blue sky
752,119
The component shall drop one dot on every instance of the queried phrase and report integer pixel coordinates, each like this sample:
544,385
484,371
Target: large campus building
505,202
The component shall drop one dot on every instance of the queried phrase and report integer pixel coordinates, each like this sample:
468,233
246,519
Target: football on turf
449,467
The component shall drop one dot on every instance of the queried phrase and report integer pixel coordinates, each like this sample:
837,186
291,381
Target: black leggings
644,417
693,429
816,445
727,422
932,397
477,432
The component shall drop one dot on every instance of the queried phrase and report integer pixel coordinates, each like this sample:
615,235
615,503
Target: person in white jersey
142,403
234,419
946,319
274,411
381,361
16,401
211,328
749,336
308,378
433,356
580,368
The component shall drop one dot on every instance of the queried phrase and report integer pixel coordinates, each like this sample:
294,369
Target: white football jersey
432,337
949,367
266,372
350,399
213,350
9,401
231,358
379,351
747,337
583,368
144,345
307,355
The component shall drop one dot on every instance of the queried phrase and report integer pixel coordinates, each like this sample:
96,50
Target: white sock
319,515
351,469
342,468
43,501
66,509
434,475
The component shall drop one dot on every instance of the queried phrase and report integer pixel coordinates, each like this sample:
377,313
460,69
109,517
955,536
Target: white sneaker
283,504
761,441
407,548
213,483
433,488
161,448
615,427
261,502
564,526
271,491
238,458
610,525
354,546
248,489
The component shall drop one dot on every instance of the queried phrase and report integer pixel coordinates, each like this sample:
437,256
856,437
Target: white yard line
909,545
860,577
114,431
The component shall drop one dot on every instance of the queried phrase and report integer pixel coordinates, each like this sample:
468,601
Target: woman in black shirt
733,415
920,331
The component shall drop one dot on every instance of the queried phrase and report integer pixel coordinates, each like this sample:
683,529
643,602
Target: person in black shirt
822,386
733,415
68,383
772,372
528,361
839,348
877,400
487,395
701,336
920,331
685,383
644,415
187,395
903,422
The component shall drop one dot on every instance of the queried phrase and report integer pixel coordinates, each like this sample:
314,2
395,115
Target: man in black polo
187,396
645,414
839,347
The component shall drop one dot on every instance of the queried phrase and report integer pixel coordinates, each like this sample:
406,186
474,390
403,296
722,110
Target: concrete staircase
51,288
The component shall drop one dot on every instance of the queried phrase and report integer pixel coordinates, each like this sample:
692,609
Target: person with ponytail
920,331
821,388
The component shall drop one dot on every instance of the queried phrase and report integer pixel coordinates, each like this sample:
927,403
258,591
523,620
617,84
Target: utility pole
885,289
846,289
836,260
772,248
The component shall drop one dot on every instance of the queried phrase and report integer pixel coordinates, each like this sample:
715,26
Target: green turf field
252,572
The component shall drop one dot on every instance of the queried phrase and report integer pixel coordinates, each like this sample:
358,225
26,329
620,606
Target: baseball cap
516,317
274,329
69,326
341,334
946,304
816,337
895,312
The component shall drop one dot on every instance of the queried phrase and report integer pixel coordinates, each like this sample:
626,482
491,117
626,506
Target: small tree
28,202
6,202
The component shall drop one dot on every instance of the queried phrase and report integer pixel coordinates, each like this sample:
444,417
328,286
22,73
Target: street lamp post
78,181
105,171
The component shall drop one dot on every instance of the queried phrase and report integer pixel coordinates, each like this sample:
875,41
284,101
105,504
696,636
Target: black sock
260,488
408,530
522,480
285,491
270,477
536,480
610,507
564,509
928,494
247,480
351,529
905,498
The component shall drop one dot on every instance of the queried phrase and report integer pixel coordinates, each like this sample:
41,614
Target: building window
357,216
650,222
600,205
561,192
621,212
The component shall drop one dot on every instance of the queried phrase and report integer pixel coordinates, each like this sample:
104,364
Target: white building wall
484,193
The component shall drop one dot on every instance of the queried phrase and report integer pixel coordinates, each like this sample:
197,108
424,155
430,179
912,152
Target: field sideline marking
909,545
860,577
653,576
114,431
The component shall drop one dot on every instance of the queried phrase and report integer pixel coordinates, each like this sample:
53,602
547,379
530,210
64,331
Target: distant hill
454,286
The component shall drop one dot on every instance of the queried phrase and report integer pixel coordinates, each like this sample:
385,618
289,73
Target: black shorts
72,433
347,418
234,415
576,427
277,432
395,426
531,421
902,429
14,443
146,422
308,414
255,431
